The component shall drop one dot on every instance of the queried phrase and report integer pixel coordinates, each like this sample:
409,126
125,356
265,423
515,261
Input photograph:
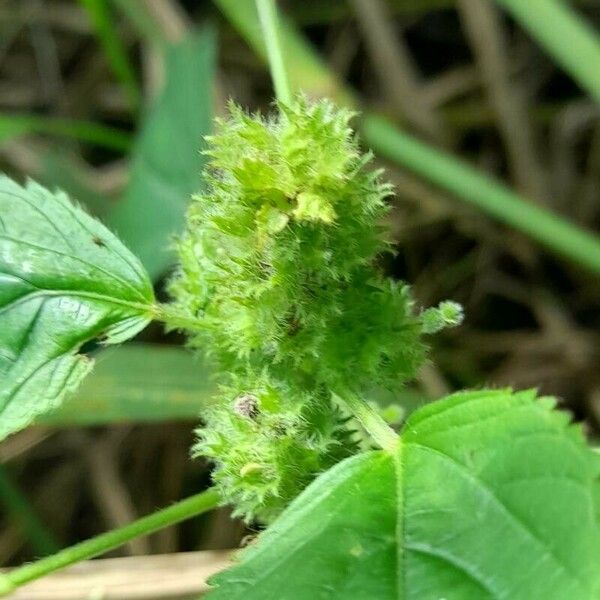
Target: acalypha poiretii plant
486,494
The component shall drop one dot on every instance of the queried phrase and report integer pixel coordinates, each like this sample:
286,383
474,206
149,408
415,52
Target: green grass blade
143,22
566,36
17,505
166,160
137,383
100,15
309,73
15,125
483,192
317,12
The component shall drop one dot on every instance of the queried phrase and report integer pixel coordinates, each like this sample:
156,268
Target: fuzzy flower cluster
277,268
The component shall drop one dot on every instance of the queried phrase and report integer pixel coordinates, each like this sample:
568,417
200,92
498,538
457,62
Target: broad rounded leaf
64,280
490,496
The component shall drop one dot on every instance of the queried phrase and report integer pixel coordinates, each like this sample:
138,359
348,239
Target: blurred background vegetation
109,100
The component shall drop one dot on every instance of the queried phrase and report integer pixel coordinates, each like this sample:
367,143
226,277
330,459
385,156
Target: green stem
482,191
185,509
383,435
308,71
176,319
568,38
268,20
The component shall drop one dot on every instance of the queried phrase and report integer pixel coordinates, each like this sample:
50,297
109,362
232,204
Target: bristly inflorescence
277,267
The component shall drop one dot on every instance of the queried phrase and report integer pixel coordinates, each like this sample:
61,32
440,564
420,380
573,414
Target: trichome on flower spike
278,267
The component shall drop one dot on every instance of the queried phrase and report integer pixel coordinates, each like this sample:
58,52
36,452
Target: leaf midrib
400,521
138,307
94,267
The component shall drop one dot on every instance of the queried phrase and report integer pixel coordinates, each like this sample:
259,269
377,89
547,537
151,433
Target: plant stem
383,435
185,509
14,125
310,73
176,319
267,13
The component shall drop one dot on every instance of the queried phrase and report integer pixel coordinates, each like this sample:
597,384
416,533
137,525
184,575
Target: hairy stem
268,20
185,509
381,433
177,319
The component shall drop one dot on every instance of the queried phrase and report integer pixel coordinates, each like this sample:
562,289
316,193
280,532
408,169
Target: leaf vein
549,552
92,266
454,562
131,263
54,226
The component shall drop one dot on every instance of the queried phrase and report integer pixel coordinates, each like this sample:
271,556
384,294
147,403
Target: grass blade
145,25
40,539
60,171
483,192
137,383
99,13
568,38
12,126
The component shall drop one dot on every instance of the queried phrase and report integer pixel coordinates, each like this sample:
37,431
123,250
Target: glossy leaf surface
64,280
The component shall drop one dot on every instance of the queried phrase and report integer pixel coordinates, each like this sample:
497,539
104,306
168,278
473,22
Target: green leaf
64,280
166,161
138,383
490,495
